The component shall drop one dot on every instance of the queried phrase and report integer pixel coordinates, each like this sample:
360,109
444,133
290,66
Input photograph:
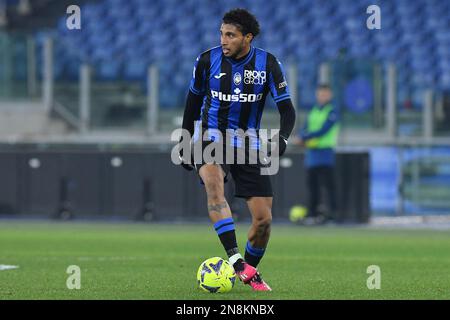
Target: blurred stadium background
86,115
85,123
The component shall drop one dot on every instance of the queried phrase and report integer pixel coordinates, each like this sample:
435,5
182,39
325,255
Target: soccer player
228,91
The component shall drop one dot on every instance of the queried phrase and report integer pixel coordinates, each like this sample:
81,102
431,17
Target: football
297,213
216,275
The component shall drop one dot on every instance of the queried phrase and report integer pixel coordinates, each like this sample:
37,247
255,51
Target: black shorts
248,180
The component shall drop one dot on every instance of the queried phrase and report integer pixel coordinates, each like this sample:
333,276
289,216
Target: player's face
323,96
234,44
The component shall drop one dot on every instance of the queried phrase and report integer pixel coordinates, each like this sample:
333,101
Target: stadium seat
136,69
108,69
415,35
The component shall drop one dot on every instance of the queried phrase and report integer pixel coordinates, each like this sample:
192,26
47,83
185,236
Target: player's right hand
184,163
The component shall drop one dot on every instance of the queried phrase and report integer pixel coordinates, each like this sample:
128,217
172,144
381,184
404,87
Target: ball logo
237,78
254,77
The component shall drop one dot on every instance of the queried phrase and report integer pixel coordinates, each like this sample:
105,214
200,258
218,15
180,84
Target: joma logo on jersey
243,97
254,77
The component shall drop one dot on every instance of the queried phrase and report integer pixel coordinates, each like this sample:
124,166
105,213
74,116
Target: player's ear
249,37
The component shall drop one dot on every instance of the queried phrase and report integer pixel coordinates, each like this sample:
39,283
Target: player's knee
262,226
263,222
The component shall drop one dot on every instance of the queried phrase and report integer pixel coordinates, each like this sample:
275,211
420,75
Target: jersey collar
243,60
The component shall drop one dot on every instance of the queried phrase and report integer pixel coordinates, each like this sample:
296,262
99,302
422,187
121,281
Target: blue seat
188,55
100,39
138,50
414,35
146,13
99,53
108,69
421,65
360,50
421,79
136,69
145,3
125,26
117,3
168,99
122,9
443,36
444,65
92,11
97,26
444,80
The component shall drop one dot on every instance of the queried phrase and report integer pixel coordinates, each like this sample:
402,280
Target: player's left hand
278,144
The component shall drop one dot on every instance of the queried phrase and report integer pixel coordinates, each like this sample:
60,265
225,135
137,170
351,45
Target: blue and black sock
253,255
227,235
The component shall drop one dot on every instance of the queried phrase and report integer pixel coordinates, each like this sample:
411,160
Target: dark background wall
144,184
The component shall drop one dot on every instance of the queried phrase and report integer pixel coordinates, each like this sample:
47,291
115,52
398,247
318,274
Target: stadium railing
18,67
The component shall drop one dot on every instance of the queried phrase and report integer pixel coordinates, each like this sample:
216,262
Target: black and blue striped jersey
235,90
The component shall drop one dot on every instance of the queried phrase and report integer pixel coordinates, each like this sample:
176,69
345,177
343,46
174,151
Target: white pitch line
7,267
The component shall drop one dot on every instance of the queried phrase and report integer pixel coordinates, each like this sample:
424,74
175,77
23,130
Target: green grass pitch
160,261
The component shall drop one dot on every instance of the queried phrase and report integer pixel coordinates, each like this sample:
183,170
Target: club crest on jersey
237,78
254,77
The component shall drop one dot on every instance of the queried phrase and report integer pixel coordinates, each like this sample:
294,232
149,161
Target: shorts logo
254,77
237,78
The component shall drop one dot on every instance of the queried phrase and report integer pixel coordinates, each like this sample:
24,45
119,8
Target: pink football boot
247,274
258,284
